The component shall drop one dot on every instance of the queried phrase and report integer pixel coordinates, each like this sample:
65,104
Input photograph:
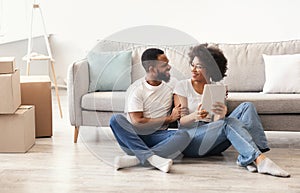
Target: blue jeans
164,143
216,137
247,114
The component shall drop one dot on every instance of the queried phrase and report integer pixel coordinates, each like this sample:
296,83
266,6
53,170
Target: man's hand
139,121
176,113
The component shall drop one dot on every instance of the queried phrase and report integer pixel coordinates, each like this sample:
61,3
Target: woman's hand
200,114
219,109
176,113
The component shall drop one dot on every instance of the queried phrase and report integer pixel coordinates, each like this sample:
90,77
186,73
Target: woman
242,128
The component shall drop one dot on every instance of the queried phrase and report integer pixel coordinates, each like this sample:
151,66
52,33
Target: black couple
144,135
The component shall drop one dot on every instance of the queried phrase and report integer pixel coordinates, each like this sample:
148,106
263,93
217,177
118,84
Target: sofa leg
76,132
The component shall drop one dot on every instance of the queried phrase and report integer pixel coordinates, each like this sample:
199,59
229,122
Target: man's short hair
150,56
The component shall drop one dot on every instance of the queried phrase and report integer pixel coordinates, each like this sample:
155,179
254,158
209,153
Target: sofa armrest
78,84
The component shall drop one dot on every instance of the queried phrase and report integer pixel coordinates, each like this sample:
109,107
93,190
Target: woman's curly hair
213,59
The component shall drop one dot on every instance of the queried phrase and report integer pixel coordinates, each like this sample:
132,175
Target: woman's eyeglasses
197,66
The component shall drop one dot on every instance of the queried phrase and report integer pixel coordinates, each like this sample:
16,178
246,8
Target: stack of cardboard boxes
25,108
17,122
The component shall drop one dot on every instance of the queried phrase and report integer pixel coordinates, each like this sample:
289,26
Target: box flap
23,108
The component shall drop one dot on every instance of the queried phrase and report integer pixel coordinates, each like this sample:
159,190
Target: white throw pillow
282,73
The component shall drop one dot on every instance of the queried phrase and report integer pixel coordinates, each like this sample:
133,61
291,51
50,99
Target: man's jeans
164,143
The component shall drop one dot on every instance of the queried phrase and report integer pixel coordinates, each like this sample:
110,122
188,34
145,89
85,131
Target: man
144,133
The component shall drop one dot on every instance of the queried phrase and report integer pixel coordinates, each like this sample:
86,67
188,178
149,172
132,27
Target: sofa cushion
266,103
109,70
282,73
104,101
245,62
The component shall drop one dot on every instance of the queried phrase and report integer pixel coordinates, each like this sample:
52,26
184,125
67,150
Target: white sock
160,163
125,161
267,166
251,167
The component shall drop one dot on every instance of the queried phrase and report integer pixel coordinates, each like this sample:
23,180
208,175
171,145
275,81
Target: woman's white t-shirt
185,88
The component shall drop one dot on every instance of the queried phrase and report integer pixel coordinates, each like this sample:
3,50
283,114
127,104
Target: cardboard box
17,130
10,94
36,90
7,65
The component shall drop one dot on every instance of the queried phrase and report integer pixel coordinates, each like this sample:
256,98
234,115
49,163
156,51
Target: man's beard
163,76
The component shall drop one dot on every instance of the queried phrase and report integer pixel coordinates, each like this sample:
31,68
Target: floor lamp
36,57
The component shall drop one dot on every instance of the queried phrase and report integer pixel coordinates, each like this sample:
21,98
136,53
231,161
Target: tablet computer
212,93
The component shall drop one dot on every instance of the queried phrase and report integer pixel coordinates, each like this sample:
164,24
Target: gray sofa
245,80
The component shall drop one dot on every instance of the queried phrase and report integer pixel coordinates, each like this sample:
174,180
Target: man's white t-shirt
185,88
153,101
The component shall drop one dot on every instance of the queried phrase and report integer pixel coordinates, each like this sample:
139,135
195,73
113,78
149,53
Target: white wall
76,25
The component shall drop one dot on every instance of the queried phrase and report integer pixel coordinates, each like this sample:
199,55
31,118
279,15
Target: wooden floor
57,165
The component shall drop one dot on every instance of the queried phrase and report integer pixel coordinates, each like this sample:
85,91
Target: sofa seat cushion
266,103
104,101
